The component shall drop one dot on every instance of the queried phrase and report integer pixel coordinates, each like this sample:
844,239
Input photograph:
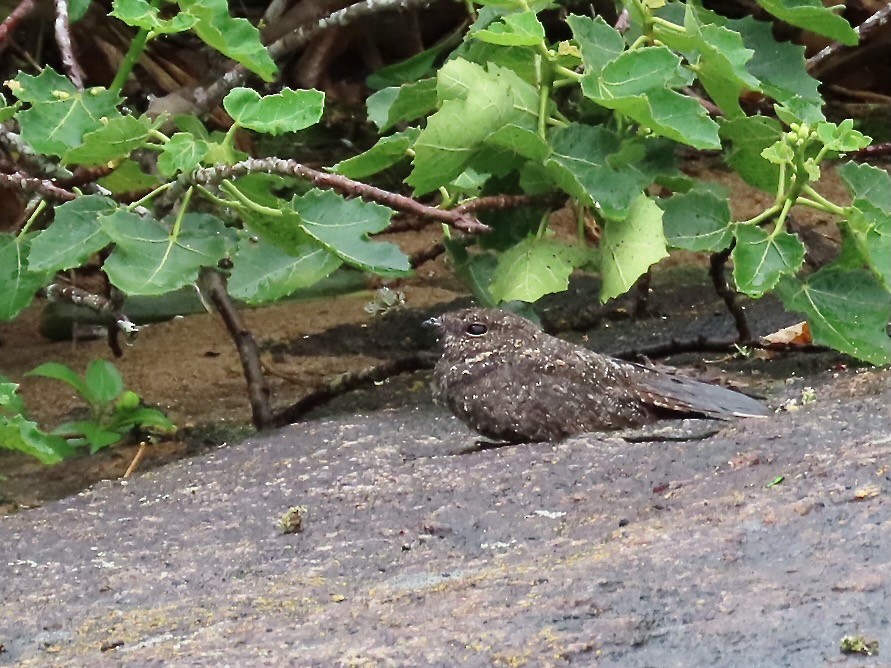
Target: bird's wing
676,392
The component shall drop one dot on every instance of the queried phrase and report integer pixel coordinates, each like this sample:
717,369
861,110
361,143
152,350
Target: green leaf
60,114
525,142
234,38
870,228
697,221
410,70
629,247
521,60
868,183
143,418
521,29
475,270
387,152
17,283
842,138
264,273
477,103
748,137
814,17
342,226
534,268
721,63
95,434
391,106
73,237
104,383
846,309
639,84
182,154
287,111
148,260
115,139
20,434
129,177
8,111
580,165
869,221
142,14
61,372
760,258
779,66
600,43
77,9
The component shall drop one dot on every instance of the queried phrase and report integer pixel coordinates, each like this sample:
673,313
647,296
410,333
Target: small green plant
19,433
114,412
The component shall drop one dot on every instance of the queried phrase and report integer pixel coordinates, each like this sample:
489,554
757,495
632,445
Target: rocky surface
762,545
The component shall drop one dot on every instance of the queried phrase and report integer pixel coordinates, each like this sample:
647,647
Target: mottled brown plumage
508,380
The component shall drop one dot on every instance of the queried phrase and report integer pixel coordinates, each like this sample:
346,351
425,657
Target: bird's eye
477,329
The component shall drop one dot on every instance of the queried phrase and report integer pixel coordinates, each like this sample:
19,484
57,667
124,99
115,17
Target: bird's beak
433,322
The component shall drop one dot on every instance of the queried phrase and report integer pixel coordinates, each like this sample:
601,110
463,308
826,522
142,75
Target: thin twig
107,307
275,9
717,266
351,381
143,446
213,286
9,24
209,97
31,184
27,158
426,255
702,344
836,54
501,202
457,219
63,39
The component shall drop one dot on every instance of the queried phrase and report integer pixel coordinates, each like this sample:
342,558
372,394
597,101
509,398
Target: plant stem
219,201
37,211
817,201
568,73
761,217
137,46
231,189
157,191
183,207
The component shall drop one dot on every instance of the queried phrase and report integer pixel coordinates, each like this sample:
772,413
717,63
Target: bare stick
455,218
207,98
835,55
702,344
214,287
719,280
349,382
501,202
31,184
96,303
143,446
63,39
9,24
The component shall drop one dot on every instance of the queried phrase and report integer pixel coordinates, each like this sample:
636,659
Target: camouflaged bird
506,379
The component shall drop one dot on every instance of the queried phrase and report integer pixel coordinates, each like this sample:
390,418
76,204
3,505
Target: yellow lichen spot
867,491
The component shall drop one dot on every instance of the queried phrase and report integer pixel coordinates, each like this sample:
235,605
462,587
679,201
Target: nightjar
506,379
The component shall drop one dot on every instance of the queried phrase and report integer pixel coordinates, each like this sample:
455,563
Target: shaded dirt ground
594,551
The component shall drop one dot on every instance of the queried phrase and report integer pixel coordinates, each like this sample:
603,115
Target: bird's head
481,330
